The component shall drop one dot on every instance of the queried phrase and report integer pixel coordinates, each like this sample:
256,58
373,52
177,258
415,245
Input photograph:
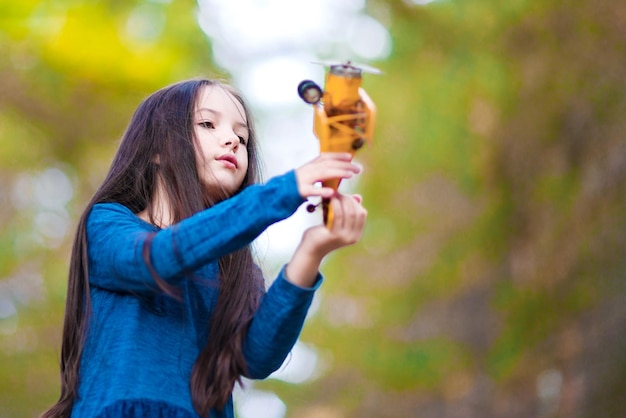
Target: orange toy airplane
343,118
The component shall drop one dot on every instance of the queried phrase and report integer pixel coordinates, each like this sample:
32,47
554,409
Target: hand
327,166
318,241
346,229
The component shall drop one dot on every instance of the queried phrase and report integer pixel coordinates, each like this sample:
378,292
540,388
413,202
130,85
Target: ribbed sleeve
116,240
277,325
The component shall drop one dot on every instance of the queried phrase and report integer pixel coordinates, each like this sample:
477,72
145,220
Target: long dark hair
162,126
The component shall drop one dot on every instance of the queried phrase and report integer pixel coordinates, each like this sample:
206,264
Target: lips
228,158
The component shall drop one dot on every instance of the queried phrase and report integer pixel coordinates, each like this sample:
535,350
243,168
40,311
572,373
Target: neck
158,212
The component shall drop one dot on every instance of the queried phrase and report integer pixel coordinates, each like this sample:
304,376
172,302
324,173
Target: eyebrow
218,114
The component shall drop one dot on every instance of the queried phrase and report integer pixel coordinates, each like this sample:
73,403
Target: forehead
219,100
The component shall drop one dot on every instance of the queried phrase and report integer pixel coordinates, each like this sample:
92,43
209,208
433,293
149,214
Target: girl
166,309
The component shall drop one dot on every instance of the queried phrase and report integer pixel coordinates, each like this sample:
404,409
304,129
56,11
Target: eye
242,140
207,124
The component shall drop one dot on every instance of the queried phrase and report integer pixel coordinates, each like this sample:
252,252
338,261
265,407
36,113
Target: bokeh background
491,278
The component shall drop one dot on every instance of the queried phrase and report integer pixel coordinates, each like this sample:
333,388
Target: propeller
349,64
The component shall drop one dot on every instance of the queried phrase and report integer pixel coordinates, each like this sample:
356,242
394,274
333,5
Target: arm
276,325
319,241
116,236
279,320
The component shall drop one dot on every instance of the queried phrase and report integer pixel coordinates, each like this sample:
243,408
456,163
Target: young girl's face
221,131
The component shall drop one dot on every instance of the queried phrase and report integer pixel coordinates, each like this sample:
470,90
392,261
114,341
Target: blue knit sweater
141,343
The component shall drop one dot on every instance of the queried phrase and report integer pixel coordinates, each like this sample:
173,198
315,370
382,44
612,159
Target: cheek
201,159
203,148
245,159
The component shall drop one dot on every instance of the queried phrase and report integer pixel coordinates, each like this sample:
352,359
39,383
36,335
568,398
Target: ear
156,159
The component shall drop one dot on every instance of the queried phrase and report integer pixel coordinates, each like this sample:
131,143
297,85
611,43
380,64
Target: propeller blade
363,67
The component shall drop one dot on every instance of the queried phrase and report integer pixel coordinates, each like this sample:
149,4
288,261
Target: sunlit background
491,278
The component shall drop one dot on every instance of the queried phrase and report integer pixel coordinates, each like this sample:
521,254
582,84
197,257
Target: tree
71,75
490,281
491,277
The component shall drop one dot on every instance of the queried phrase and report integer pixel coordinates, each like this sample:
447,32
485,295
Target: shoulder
110,209
109,214
113,210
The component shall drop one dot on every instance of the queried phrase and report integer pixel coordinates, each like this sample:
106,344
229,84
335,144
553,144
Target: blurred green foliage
491,276
490,281
71,74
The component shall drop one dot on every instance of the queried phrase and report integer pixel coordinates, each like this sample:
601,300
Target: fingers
326,166
335,166
349,218
341,156
325,192
347,227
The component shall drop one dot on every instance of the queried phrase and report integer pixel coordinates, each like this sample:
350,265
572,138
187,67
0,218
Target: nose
230,140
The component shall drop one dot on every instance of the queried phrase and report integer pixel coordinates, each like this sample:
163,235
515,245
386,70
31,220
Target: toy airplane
343,118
